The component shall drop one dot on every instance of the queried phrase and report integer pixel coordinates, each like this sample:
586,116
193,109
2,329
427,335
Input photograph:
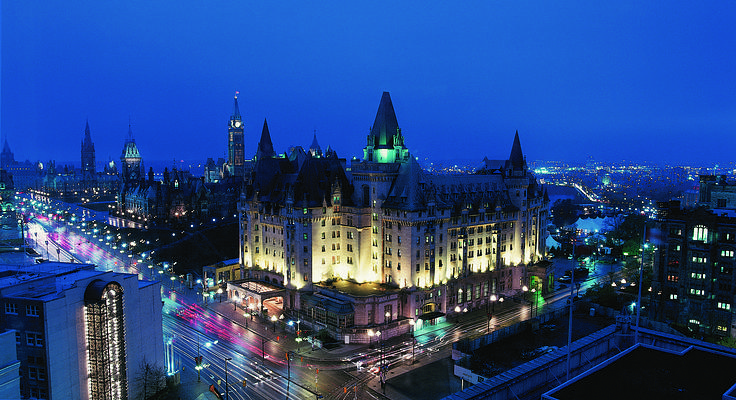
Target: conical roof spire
130,132
265,146
517,157
87,135
236,110
314,147
385,127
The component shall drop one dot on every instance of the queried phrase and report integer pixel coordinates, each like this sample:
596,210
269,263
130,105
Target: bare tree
149,380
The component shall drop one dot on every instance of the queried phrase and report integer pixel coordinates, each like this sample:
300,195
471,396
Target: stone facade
438,241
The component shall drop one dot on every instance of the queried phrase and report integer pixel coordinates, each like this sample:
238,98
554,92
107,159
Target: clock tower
235,142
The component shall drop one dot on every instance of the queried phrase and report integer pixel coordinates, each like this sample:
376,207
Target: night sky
633,80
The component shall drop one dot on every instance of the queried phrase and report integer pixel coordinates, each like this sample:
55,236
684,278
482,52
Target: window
724,306
306,276
11,308
398,252
398,266
673,297
32,373
700,233
727,253
418,268
350,235
34,339
323,235
306,249
350,260
32,311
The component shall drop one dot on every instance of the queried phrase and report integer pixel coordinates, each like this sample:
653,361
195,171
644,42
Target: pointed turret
385,127
265,146
88,156
6,157
314,148
87,136
236,110
385,142
517,157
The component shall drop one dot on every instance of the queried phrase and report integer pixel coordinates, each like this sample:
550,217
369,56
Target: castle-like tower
89,174
236,142
130,161
448,241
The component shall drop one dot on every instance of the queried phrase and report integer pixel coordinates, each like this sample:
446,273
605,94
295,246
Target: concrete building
610,364
427,243
81,333
694,283
9,367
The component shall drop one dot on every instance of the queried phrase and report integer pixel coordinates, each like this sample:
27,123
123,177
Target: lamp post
493,309
370,338
413,339
457,311
534,295
274,319
47,249
525,289
227,390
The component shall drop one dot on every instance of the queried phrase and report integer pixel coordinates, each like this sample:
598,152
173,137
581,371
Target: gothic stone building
382,242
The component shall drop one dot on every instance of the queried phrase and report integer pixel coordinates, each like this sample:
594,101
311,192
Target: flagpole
641,282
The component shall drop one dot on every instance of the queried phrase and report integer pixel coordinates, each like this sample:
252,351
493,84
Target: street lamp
413,339
525,289
227,390
493,309
457,311
274,319
534,291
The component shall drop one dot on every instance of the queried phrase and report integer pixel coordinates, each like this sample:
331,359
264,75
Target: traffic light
245,382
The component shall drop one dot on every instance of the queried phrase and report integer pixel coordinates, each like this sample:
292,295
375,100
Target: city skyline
576,80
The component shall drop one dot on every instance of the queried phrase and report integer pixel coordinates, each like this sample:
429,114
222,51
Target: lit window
700,233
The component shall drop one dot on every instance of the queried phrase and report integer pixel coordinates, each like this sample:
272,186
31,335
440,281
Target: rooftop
360,289
645,372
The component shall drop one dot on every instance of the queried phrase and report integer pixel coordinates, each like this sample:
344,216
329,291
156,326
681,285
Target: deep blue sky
618,80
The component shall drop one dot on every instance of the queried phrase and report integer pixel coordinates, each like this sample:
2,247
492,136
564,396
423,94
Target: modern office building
434,243
81,333
694,283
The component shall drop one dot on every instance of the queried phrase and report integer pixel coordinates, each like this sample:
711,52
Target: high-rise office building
81,333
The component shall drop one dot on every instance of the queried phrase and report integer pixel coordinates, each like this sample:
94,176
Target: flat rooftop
649,373
360,289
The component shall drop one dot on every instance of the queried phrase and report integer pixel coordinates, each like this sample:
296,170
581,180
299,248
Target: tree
150,379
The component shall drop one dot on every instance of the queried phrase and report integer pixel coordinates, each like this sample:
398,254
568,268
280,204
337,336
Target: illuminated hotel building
433,242
80,333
